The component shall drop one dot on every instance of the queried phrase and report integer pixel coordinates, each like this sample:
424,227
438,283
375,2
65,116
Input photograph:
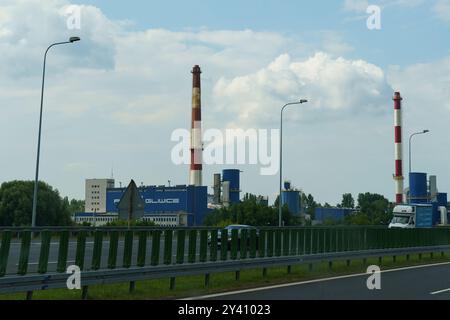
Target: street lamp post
409,151
281,159
33,218
410,140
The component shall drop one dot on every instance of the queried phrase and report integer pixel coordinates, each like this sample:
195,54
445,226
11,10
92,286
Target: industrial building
292,198
226,189
95,194
182,205
331,214
424,191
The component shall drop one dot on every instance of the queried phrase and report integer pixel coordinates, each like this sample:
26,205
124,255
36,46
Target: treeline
250,212
369,209
16,201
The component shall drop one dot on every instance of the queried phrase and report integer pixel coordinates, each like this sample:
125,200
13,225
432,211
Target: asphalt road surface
430,282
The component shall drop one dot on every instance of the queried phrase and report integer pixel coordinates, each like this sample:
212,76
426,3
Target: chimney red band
398,134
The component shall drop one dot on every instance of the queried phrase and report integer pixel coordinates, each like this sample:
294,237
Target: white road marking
310,281
440,291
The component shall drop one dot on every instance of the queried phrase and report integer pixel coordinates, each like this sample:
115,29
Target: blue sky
410,33
114,99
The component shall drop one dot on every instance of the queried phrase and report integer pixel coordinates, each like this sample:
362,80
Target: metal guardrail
29,283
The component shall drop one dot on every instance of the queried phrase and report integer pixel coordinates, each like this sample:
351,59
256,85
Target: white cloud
441,9
334,86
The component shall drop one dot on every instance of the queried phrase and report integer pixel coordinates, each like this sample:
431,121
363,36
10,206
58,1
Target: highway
430,282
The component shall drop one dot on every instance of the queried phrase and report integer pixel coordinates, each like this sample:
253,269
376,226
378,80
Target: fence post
4,251
128,249
168,240
203,245
278,240
301,241
24,252
224,244
234,244
63,251
294,242
262,244
142,249
252,243
213,246
243,244
286,244
81,247
192,246
46,237
97,251
156,245
270,243
181,240
113,245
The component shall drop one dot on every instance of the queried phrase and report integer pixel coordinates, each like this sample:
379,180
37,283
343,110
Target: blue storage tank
233,177
442,199
418,191
292,199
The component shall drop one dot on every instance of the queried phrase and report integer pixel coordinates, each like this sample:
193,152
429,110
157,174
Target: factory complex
180,205
188,204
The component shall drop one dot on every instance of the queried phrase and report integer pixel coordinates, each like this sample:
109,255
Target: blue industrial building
332,214
188,204
424,192
232,176
291,198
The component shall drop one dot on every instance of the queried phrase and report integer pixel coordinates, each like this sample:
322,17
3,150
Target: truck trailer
418,216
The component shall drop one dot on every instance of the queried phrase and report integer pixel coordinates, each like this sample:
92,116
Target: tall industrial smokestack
398,177
195,176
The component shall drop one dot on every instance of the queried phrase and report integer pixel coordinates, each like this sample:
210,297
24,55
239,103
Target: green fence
25,251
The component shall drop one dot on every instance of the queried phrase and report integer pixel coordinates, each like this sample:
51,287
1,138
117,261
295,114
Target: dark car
238,227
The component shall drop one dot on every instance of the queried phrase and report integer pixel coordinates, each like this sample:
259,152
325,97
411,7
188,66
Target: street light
281,156
410,139
33,218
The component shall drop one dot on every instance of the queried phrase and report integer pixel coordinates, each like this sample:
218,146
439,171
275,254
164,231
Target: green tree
347,201
16,201
250,212
310,204
75,206
376,207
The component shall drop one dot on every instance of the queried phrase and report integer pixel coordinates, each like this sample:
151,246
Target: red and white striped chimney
195,175
398,177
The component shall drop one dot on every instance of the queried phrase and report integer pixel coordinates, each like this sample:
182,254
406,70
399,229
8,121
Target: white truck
418,216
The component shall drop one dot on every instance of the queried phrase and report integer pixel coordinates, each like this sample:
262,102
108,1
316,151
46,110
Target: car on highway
239,228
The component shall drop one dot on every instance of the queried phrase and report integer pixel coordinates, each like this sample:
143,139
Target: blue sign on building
160,200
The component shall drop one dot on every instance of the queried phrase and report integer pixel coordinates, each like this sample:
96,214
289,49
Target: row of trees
16,200
250,212
370,209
